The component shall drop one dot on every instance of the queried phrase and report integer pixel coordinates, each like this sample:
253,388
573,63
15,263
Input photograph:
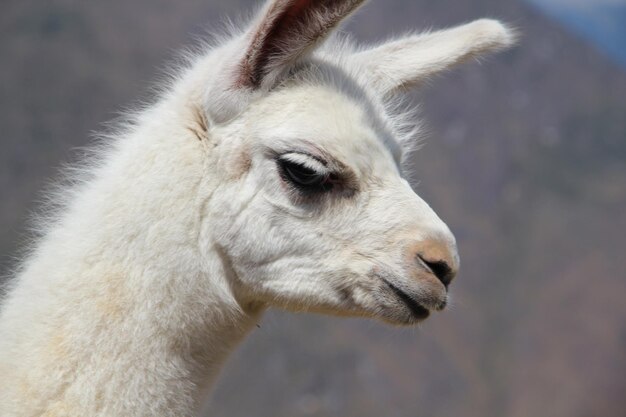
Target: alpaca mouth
419,311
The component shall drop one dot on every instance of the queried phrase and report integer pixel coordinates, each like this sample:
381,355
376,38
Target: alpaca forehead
339,124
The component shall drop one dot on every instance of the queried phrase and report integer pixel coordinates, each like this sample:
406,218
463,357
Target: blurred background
526,162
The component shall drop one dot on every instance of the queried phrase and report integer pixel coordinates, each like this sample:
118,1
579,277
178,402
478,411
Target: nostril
440,269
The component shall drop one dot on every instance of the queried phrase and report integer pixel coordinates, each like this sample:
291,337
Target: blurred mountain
525,162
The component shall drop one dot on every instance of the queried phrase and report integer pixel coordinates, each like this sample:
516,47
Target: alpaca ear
409,61
284,32
287,31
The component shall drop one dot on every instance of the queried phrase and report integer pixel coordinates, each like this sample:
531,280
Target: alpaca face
315,214
325,222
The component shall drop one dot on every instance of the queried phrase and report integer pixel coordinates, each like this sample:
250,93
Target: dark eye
303,177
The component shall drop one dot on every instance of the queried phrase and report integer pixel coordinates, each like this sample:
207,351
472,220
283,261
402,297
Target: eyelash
304,179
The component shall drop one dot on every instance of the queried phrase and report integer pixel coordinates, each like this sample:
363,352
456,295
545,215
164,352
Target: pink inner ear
298,6
269,39
288,29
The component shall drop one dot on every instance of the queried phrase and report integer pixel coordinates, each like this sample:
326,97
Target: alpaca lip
418,310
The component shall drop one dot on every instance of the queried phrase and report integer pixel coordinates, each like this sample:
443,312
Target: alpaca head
314,213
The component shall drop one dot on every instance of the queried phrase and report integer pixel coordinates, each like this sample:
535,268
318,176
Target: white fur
165,253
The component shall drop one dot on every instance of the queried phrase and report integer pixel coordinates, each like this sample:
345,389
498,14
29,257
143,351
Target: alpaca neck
134,312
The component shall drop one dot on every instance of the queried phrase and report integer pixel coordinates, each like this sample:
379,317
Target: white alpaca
268,175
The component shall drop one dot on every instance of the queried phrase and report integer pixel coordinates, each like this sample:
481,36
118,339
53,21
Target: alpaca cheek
240,164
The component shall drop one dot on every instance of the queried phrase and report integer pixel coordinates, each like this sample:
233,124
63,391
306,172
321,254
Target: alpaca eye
304,178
